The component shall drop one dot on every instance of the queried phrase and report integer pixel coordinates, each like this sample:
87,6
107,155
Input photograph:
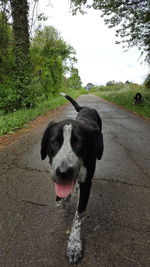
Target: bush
8,99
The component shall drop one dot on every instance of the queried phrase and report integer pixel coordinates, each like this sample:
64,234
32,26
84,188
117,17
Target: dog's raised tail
73,102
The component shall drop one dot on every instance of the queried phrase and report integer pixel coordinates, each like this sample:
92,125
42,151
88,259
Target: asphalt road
116,230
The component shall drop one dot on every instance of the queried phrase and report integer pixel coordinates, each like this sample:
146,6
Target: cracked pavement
116,229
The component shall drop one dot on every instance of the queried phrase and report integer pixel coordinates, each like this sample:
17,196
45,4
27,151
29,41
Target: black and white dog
73,147
138,98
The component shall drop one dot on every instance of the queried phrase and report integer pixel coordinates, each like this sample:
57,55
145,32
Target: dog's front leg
74,250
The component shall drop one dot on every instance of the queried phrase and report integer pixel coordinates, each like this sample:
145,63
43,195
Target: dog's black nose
64,170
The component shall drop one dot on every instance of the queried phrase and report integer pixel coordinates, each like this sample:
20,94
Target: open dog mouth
64,188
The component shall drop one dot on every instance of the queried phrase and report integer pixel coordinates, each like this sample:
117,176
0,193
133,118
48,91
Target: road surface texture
116,229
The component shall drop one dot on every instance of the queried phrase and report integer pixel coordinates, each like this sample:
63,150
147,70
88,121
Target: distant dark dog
138,98
73,147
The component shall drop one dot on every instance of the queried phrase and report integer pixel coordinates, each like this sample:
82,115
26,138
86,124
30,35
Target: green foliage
8,99
16,120
30,71
6,50
74,80
124,95
111,83
49,53
131,19
50,58
7,79
147,82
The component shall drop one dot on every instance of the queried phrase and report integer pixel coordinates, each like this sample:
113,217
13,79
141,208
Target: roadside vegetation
18,119
34,68
36,65
123,95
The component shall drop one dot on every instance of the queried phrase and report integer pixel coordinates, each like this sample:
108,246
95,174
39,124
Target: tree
6,48
110,83
89,86
8,97
74,80
131,17
19,12
50,55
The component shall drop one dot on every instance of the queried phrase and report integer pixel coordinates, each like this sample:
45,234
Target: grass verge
124,96
16,120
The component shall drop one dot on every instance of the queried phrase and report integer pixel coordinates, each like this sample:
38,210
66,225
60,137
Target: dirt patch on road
10,138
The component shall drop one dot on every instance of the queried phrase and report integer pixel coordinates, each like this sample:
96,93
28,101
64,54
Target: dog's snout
64,170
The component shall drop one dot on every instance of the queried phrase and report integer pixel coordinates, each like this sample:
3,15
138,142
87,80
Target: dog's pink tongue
64,190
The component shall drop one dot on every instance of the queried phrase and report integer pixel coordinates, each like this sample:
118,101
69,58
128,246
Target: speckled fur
74,249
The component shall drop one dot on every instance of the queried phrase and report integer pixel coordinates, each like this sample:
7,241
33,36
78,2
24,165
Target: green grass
17,120
118,94
124,96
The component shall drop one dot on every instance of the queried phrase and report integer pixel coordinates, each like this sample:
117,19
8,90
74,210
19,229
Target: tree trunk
19,11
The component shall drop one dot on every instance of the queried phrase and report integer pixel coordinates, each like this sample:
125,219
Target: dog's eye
76,142
55,142
54,145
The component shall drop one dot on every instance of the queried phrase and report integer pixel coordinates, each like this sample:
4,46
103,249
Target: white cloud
99,59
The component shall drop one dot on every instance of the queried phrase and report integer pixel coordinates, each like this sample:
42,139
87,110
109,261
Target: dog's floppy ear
98,140
44,143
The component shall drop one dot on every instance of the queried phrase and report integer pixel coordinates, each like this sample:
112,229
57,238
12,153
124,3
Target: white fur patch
63,94
82,174
74,249
63,203
67,154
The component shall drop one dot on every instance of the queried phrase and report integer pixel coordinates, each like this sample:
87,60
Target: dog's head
70,145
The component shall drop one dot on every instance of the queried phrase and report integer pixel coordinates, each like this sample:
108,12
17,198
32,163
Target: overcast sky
99,59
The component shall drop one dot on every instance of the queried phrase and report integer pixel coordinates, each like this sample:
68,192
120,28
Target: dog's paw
74,251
